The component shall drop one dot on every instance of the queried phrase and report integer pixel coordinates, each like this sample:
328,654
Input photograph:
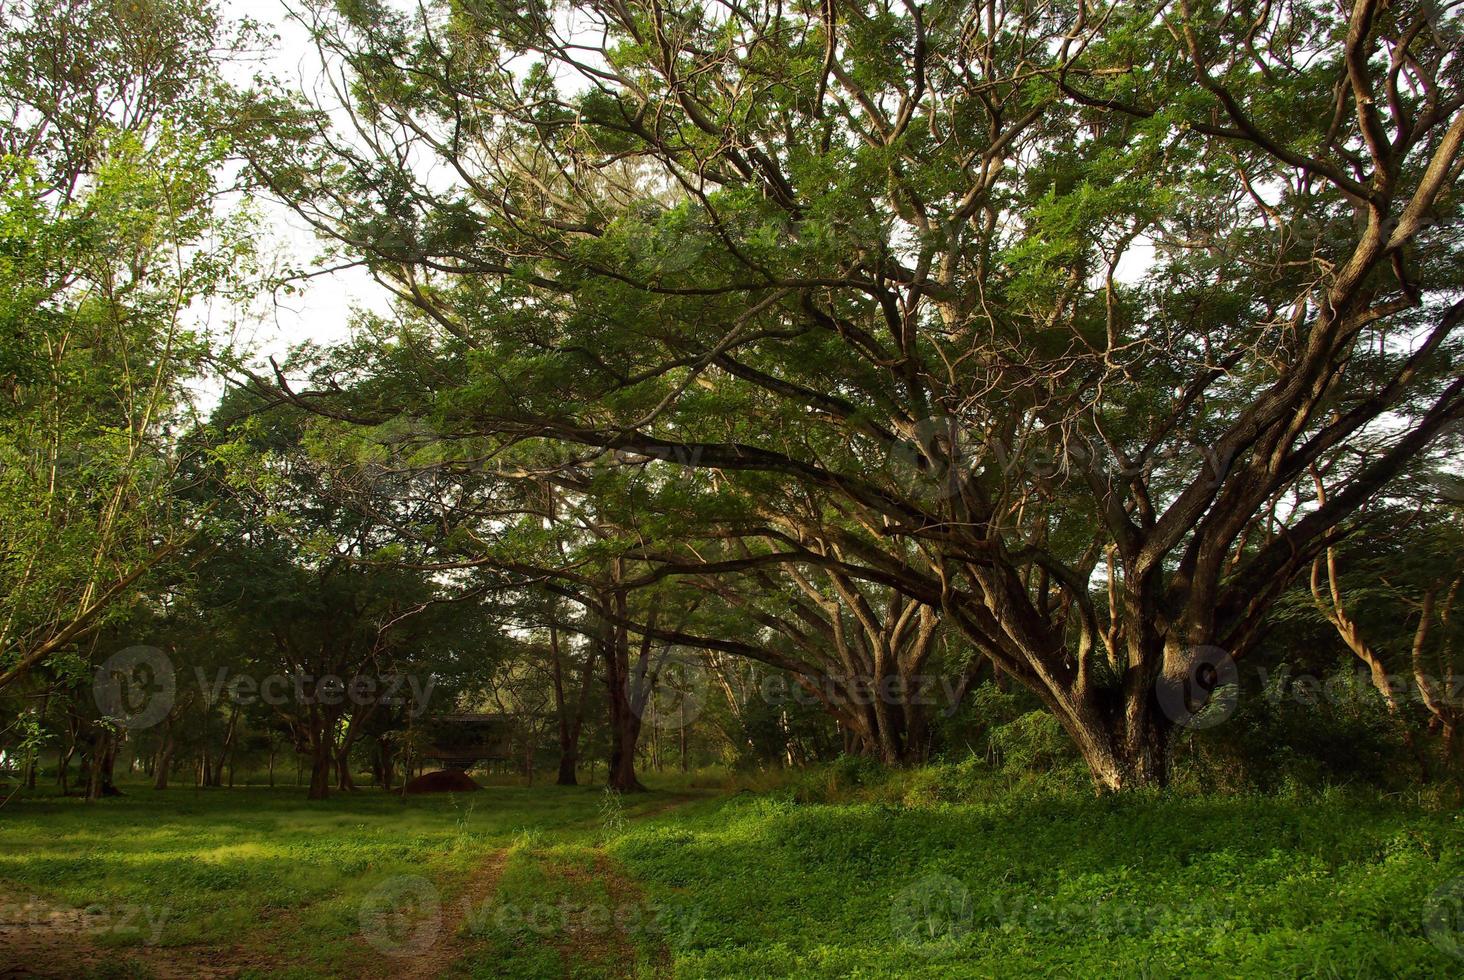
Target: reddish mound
444,781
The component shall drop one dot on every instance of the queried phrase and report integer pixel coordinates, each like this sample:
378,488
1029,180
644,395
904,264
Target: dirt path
609,951
452,939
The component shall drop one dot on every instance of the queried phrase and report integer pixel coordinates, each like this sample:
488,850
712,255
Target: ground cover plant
820,877
731,488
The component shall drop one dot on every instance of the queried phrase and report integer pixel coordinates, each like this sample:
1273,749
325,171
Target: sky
321,310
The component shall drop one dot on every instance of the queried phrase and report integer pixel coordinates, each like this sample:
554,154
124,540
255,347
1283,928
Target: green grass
1062,885
759,885
264,869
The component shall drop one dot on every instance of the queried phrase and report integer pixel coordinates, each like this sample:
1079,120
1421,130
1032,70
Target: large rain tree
1050,310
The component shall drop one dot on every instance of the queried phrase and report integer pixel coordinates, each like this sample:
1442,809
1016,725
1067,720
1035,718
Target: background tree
111,237
308,585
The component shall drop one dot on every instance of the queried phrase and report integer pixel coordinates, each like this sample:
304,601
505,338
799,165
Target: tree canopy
1043,318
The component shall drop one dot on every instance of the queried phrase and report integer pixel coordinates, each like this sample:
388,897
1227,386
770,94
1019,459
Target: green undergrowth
852,871
846,870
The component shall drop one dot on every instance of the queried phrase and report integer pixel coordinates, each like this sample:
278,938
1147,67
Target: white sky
321,311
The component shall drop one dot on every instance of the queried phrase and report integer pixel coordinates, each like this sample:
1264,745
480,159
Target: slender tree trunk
344,782
571,714
566,775
226,753
63,767
385,763
164,761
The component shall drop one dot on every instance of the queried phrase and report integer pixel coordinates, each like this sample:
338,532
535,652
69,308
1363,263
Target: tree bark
215,774
322,754
625,724
571,715
164,761
99,772
344,782
320,760
388,765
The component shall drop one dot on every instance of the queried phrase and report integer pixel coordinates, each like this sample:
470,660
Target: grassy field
543,882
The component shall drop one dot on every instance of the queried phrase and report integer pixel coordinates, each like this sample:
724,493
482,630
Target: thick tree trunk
895,734
1136,763
625,723
625,727
99,772
321,746
320,765
1124,750
621,775
568,766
